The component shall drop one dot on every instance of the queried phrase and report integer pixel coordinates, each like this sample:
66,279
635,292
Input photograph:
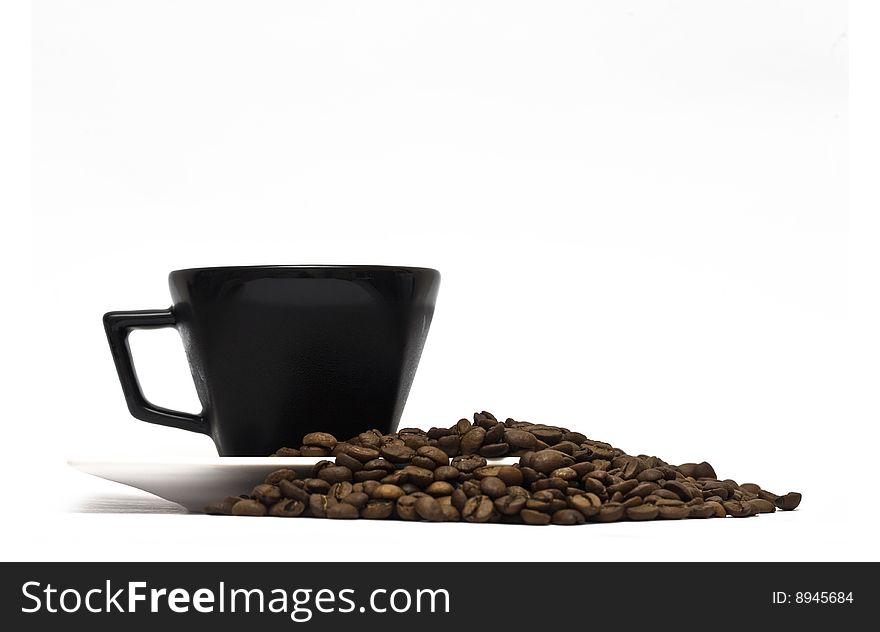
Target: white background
640,211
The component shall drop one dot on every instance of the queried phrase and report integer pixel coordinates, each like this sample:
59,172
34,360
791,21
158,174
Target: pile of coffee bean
440,475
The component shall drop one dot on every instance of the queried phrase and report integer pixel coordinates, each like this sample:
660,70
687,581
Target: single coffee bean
358,500
462,426
335,474
286,452
377,510
342,511
362,453
437,455
406,507
493,487
370,439
704,470
397,453
267,494
529,516
565,473
587,504
649,475
320,439
494,451
765,495
568,517
546,461
472,440
446,473
717,508
346,460
450,513
510,504
313,450
738,509
388,492
280,475
701,510
418,475
788,502
286,508
546,434
429,509
468,463
439,488
495,434
762,506
368,475
478,509
610,512
642,512
459,498
520,439
668,512
679,489
249,508
574,437
292,491
317,486
451,444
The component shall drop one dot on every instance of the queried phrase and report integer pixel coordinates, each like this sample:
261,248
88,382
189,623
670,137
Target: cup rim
307,267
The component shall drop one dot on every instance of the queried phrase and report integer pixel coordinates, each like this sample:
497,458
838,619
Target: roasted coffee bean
472,440
368,475
788,502
522,439
450,513
342,511
593,485
335,474
436,455
378,510
320,439
642,512
762,506
370,439
280,475
546,461
439,488
717,508
357,499
478,509
701,510
362,453
313,450
436,433
673,512
249,508
587,504
397,453
406,507
462,426
568,517
495,434
650,475
510,504
286,452
346,460
450,444
286,508
494,450
459,498
679,489
610,512
529,516
737,509
293,491
546,434
446,473
704,470
388,492
493,487
266,494
418,475
429,509
468,464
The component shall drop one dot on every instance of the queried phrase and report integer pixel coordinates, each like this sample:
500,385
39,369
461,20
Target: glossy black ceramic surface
280,351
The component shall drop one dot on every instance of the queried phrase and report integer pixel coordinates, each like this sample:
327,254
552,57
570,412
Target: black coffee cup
277,352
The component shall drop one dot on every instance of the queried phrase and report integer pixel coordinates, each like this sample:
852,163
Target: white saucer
193,483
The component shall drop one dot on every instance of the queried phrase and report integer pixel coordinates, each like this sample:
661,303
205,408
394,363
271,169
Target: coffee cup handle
118,326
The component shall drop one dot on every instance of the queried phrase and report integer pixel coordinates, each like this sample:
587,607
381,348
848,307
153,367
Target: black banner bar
434,596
